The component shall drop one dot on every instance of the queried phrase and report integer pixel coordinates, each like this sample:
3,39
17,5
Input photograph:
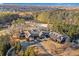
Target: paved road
24,44
11,52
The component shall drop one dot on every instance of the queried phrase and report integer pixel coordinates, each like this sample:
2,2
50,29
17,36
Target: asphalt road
25,44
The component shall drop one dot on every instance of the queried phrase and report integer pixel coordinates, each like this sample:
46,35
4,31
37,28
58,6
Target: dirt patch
54,48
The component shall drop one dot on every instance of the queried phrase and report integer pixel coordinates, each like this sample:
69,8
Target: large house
58,37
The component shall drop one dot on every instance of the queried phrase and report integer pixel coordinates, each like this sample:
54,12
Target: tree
17,47
43,17
4,44
30,51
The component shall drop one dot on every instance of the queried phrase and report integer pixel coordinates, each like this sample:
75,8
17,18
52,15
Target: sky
46,4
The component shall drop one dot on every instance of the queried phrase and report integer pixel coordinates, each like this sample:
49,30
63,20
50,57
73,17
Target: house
22,35
34,33
44,34
58,37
